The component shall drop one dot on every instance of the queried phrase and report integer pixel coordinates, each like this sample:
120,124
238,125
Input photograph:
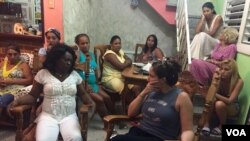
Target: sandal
216,131
205,131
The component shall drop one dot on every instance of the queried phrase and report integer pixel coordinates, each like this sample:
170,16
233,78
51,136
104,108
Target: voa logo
236,132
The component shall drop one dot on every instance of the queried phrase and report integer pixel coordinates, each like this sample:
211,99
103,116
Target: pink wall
53,16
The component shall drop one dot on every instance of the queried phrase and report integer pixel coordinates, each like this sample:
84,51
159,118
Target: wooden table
130,77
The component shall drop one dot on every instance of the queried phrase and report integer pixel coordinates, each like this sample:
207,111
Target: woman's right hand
203,18
10,107
13,104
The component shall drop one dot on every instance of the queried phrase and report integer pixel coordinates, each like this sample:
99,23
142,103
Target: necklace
7,72
59,75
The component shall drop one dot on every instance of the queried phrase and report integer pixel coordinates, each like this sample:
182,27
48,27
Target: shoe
114,133
216,131
205,131
122,125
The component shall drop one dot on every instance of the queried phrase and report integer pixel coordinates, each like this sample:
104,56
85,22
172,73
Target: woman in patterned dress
14,75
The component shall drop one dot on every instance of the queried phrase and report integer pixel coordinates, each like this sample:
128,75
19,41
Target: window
237,15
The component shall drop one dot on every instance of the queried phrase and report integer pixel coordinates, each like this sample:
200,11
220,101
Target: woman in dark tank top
167,111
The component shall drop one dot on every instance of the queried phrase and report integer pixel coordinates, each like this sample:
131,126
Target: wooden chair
99,51
21,113
137,53
29,132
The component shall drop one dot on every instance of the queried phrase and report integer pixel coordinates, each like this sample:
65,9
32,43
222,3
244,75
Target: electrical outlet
51,4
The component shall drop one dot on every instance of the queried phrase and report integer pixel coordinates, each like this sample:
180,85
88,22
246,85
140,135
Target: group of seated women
214,47
167,110
59,82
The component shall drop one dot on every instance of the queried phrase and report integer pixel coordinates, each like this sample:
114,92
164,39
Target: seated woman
14,75
52,37
102,99
115,61
207,32
203,70
188,83
60,85
150,51
226,103
167,111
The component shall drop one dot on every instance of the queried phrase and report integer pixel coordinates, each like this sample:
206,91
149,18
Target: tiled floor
95,132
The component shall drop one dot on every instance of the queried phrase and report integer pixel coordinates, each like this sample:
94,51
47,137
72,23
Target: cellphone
135,72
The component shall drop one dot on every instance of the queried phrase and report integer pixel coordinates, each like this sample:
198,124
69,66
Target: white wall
195,7
101,19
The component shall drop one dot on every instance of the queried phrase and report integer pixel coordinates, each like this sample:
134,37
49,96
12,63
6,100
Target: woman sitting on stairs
226,100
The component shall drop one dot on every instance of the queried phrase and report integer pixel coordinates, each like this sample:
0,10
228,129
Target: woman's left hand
7,82
2,83
89,89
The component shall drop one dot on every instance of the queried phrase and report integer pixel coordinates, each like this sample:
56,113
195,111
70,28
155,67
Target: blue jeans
136,134
6,99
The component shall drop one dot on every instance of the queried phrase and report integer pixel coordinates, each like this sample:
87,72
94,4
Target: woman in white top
60,84
207,32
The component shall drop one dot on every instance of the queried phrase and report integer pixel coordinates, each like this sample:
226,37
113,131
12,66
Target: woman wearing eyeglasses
14,75
53,37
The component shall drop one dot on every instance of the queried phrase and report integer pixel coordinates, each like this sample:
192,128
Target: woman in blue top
166,110
103,101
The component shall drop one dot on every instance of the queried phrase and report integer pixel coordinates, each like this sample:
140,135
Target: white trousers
48,128
202,45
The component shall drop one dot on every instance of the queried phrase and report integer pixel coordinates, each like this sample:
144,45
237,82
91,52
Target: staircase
166,12
185,27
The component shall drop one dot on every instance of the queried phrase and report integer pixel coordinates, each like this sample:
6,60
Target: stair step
210,138
172,3
167,13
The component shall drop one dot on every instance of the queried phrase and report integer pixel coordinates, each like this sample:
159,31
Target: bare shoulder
219,18
158,50
183,101
183,96
240,82
109,56
24,65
